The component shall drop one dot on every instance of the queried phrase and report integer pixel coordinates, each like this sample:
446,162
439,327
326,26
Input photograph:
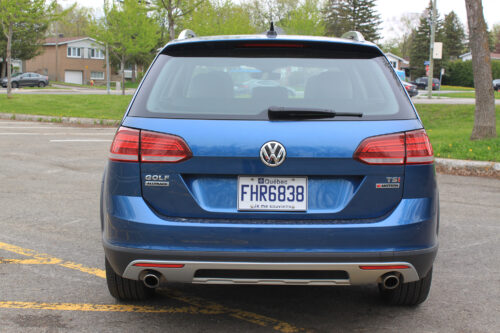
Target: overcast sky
388,9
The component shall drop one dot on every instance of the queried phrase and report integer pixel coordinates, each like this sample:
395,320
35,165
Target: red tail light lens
384,149
158,147
125,146
418,148
129,144
411,147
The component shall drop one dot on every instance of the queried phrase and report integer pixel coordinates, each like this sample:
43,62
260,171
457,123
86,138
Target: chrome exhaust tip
390,281
151,279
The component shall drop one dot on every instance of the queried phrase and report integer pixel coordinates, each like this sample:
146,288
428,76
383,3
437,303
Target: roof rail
186,33
354,35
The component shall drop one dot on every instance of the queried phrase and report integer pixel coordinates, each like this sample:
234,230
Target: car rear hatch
223,173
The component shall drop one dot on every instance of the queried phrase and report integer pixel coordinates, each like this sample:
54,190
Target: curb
467,168
443,165
63,120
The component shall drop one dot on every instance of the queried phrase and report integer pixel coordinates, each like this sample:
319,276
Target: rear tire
125,289
41,84
411,293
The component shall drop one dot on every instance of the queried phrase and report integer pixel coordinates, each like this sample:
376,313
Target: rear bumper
132,233
123,260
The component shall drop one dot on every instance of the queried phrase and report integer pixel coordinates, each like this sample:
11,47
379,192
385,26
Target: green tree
346,15
174,11
219,18
305,20
421,43
25,42
127,30
17,17
262,12
453,37
404,28
75,21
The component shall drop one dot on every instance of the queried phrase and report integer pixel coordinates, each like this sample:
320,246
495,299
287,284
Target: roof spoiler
354,35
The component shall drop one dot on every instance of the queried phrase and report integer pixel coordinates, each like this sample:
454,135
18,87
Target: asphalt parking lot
51,259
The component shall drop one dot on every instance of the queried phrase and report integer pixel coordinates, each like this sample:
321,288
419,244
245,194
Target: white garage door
73,77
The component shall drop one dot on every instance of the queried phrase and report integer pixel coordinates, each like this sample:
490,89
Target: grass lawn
456,88
465,95
86,106
449,128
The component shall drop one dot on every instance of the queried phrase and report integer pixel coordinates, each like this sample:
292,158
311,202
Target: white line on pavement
81,140
58,134
57,127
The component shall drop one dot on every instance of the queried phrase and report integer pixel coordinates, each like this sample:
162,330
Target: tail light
158,147
411,147
418,148
131,145
125,146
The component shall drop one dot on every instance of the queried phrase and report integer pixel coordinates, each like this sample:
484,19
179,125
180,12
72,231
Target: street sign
438,50
442,71
427,63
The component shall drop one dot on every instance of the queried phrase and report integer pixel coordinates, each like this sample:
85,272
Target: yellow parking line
197,305
42,258
98,307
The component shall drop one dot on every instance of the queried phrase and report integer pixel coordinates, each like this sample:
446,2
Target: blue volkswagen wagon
273,160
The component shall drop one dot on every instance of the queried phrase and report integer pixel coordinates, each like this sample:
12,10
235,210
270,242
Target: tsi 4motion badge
157,180
392,182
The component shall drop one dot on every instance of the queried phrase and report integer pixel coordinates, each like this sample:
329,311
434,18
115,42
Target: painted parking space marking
47,259
86,307
81,140
197,305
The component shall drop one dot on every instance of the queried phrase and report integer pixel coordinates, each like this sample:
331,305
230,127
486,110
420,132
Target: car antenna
271,32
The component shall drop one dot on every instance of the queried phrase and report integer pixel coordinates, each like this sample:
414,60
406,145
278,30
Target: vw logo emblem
272,153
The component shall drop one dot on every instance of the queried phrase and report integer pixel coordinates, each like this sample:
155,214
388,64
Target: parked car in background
410,88
421,83
27,80
496,84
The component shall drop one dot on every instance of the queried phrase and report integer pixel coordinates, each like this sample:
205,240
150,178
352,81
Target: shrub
459,73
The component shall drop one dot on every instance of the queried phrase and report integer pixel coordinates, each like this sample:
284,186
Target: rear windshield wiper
283,112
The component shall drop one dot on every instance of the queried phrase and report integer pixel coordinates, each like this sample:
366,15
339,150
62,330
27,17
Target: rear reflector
384,267
147,264
125,146
411,147
152,147
158,147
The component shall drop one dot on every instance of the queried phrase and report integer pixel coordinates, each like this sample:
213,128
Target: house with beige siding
70,59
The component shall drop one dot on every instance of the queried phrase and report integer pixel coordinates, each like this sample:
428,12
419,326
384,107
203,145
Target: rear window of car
244,87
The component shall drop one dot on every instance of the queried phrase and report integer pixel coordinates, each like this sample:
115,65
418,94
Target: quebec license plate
272,193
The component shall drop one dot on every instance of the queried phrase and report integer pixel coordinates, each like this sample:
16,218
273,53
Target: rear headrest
211,85
329,85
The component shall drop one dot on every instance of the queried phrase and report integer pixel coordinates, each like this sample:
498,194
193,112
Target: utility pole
107,70
431,51
57,52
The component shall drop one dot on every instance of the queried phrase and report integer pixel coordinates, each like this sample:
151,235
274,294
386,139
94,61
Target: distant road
66,90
